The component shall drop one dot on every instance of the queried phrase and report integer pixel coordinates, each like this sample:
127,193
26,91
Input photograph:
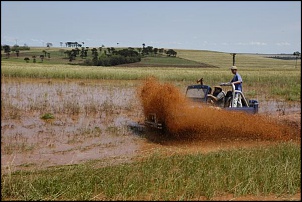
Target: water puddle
93,120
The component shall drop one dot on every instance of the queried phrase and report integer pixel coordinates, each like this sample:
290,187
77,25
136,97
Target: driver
217,97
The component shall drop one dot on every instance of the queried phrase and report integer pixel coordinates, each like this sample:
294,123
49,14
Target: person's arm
213,97
239,79
236,82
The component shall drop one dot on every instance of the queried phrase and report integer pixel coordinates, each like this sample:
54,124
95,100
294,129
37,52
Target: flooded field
61,122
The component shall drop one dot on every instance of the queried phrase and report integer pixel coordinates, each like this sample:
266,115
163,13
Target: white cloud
154,42
252,43
258,43
174,42
283,44
37,40
9,39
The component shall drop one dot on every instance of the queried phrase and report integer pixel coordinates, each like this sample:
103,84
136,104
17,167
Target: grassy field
225,60
261,76
271,170
260,171
184,57
168,61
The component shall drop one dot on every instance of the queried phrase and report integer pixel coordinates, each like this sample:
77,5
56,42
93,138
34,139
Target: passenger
218,97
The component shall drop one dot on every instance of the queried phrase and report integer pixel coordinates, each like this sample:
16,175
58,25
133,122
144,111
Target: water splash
184,121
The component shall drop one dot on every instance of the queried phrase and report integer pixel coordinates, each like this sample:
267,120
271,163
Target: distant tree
15,47
297,54
86,52
26,59
61,43
82,54
77,51
109,50
48,44
139,50
175,53
17,53
94,51
155,50
70,55
44,51
94,56
7,50
42,58
147,50
130,52
171,52
150,49
161,50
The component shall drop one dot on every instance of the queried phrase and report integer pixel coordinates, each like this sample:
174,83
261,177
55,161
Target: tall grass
259,171
280,82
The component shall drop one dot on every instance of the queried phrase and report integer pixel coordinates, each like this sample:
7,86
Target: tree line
16,48
110,56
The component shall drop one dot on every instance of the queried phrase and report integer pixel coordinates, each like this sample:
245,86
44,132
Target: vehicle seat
224,95
228,98
221,102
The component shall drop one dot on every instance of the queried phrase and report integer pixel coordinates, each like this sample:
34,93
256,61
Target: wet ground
93,120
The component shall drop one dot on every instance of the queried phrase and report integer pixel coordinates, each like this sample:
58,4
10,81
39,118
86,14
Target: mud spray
183,121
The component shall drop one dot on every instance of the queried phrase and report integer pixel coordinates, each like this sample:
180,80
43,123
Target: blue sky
226,26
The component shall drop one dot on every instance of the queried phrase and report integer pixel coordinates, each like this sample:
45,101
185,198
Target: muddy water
279,107
183,121
91,122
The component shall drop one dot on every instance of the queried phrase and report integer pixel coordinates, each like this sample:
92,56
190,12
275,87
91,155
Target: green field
184,57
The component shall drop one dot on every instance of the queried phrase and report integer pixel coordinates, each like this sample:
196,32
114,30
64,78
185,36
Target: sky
267,27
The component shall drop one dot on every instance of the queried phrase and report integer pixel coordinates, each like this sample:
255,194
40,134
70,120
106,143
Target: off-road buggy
199,94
